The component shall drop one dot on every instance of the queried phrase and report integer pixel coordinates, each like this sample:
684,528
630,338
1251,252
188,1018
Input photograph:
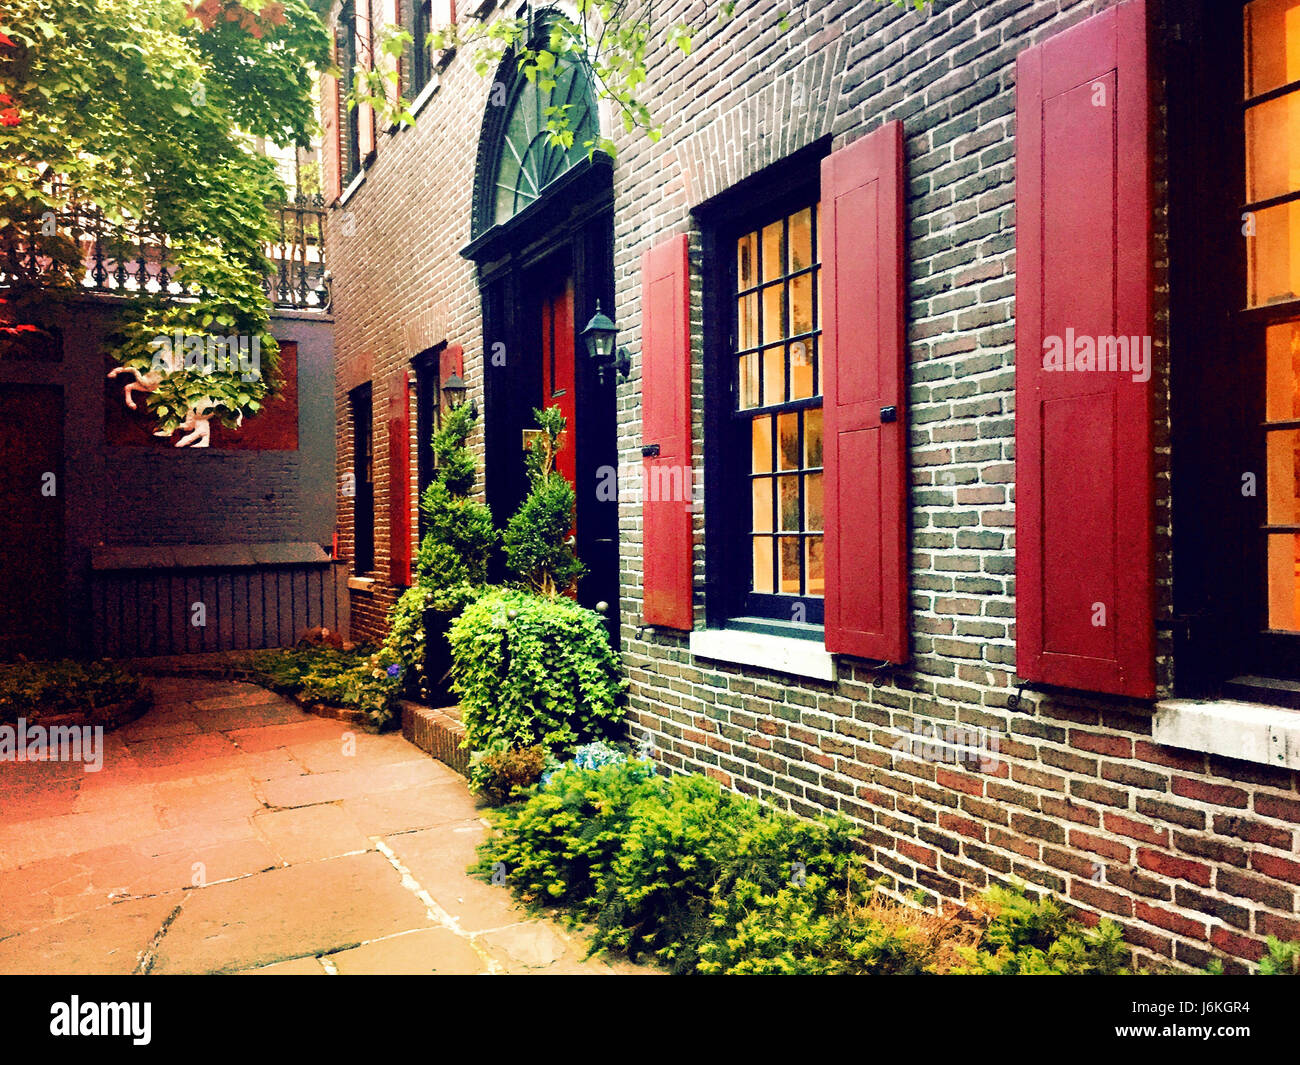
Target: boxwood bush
534,671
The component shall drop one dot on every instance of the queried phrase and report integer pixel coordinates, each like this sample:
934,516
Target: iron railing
123,259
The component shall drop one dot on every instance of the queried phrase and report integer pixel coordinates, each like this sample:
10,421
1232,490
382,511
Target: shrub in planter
33,690
452,564
537,539
357,680
532,670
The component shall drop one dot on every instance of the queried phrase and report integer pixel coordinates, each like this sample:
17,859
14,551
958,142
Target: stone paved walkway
228,831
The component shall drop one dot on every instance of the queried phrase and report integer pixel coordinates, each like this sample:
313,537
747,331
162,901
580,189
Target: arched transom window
529,159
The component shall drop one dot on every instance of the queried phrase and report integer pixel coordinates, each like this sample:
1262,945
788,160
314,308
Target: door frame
571,227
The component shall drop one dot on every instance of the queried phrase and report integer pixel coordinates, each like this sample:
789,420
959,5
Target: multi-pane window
1272,213
778,391
421,53
363,459
351,119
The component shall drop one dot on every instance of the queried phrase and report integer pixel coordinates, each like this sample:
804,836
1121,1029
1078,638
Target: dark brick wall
124,496
1189,852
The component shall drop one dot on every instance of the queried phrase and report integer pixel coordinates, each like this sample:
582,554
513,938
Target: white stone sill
784,654
1252,732
361,584
351,190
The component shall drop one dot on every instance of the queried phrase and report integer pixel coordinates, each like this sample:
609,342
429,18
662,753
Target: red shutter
399,479
332,166
451,360
863,368
1084,446
666,422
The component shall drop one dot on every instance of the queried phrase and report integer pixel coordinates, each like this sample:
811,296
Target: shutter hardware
650,451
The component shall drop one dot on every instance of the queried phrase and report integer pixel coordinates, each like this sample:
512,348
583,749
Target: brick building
956,461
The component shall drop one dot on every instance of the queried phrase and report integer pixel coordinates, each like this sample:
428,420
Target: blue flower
393,670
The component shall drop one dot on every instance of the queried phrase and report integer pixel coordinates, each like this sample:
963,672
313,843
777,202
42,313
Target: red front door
557,370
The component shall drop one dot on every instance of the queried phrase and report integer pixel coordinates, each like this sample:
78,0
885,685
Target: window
1272,209
421,53
363,460
526,160
346,39
772,465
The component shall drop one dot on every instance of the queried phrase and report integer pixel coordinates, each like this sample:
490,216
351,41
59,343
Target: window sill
353,185
423,97
1251,732
783,654
361,584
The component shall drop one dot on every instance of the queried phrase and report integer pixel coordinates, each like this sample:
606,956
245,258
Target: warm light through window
1272,61
777,352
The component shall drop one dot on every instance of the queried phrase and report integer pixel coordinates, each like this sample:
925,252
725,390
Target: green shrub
705,880
697,849
534,670
1282,959
404,646
537,538
1038,937
503,773
356,680
452,563
33,690
558,848
820,928
657,865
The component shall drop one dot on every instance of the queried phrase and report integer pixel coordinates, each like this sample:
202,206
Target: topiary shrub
537,539
452,564
532,670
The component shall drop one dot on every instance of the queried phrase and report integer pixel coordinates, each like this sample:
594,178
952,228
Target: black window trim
781,189
361,409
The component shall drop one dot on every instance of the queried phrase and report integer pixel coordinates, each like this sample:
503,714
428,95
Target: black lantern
454,391
599,336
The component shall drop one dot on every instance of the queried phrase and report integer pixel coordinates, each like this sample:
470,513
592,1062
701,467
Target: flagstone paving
230,832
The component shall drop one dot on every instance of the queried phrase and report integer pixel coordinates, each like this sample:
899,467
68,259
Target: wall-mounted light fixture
454,391
600,336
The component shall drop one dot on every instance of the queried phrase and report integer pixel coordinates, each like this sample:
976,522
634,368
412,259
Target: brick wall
1189,852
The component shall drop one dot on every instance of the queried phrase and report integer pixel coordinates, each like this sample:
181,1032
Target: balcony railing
126,259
